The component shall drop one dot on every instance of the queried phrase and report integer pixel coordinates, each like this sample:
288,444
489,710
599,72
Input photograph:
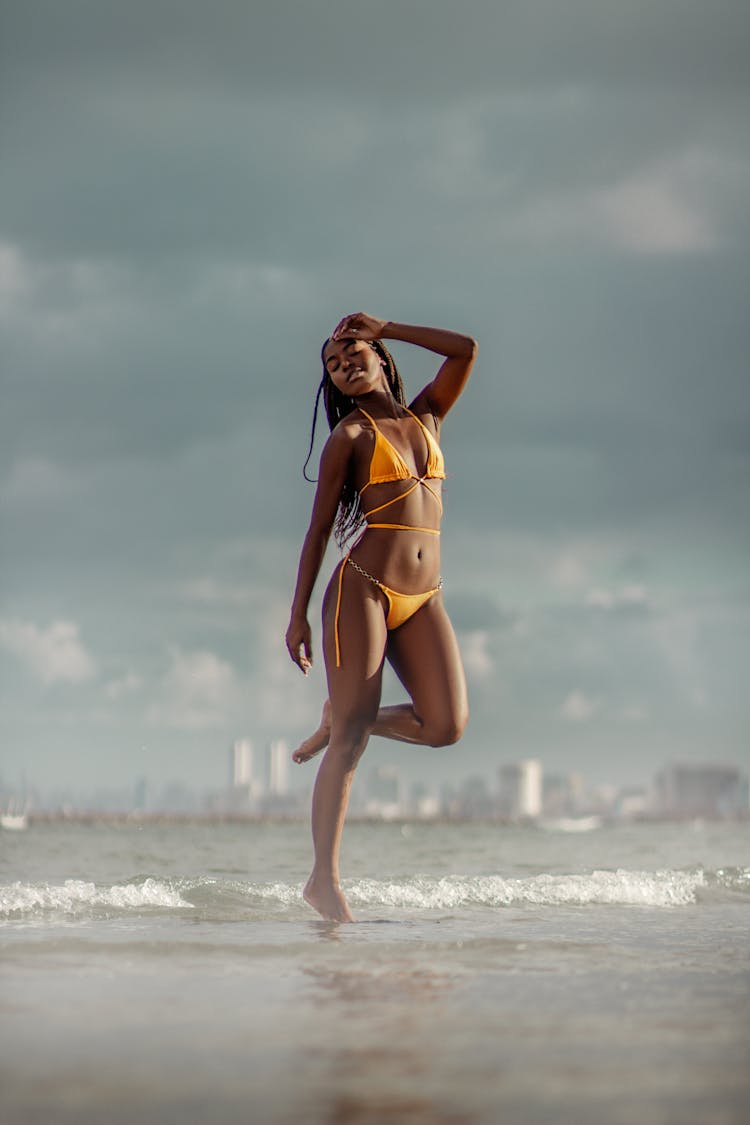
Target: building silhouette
240,763
713,791
520,794
278,768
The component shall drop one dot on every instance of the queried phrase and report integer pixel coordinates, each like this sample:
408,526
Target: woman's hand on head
299,643
360,325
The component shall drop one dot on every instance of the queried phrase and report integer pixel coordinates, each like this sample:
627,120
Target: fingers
301,655
343,328
356,324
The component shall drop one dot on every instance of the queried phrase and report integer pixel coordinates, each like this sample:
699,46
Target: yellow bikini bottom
400,606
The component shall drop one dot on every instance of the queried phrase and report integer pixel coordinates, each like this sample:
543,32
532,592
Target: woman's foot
328,900
317,741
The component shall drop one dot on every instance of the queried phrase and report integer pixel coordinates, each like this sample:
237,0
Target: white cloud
66,304
665,206
627,597
634,713
14,275
477,660
199,691
36,480
284,698
568,570
53,655
207,591
242,283
648,212
678,637
123,686
578,707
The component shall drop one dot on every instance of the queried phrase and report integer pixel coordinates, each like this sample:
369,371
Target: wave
76,896
231,899
624,888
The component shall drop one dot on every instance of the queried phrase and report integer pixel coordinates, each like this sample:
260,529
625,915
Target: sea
172,973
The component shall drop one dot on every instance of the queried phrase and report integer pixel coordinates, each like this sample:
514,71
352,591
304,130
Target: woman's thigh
354,686
425,656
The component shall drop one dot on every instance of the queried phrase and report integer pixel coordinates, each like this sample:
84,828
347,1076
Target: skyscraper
241,763
701,789
521,789
278,768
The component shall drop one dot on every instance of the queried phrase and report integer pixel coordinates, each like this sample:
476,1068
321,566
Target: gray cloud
269,132
402,46
193,196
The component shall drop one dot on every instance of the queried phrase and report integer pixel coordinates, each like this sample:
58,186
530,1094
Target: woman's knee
447,729
350,735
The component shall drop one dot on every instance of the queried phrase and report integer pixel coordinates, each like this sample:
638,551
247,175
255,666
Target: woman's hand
360,325
299,643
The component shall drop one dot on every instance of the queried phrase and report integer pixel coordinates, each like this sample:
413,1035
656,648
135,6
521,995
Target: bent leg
425,656
354,694
316,741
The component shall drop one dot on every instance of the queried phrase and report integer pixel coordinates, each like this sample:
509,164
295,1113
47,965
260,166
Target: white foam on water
233,897
625,888
287,893
76,896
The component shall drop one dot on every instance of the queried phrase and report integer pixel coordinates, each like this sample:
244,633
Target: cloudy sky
193,194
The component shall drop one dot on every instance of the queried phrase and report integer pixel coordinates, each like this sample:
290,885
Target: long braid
338,406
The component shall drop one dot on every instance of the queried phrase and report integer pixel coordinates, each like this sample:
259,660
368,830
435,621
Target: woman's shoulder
422,408
350,433
351,427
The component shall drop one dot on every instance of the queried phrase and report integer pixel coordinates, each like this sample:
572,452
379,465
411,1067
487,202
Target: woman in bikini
381,470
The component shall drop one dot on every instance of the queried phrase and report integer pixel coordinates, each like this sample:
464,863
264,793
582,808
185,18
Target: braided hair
338,406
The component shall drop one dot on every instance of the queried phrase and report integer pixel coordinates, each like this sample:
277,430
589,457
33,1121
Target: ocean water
173,973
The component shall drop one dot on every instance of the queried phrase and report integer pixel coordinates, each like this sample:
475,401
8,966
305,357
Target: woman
381,469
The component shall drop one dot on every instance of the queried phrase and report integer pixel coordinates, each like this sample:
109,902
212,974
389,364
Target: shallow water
174,973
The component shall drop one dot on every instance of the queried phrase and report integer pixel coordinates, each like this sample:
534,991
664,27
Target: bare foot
317,741
328,900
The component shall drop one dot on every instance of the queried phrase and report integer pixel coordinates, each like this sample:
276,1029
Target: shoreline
93,816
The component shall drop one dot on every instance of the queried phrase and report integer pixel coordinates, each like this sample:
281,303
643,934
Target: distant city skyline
521,790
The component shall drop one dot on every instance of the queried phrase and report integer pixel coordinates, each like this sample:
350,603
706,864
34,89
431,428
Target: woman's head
351,368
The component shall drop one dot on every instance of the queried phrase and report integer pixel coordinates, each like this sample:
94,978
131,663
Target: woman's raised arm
460,352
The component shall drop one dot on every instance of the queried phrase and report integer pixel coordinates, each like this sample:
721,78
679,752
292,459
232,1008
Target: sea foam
76,896
625,888
233,899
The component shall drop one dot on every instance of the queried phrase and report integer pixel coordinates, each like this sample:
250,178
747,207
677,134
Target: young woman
381,470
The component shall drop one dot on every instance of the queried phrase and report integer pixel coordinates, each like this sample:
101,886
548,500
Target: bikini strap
338,612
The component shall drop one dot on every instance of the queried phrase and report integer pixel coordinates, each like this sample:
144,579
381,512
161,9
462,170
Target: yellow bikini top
387,464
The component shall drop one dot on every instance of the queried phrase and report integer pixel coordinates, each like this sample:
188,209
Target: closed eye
332,363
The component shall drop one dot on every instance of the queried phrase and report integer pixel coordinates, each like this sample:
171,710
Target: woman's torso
407,560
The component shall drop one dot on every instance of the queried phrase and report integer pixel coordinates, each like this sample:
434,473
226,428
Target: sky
193,195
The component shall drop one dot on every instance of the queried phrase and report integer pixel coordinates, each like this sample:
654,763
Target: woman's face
354,367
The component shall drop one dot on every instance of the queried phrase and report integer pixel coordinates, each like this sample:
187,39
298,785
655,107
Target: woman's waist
407,560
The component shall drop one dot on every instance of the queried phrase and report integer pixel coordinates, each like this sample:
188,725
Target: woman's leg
354,694
318,740
425,656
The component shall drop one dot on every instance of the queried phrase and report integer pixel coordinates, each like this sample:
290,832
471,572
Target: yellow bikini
387,464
